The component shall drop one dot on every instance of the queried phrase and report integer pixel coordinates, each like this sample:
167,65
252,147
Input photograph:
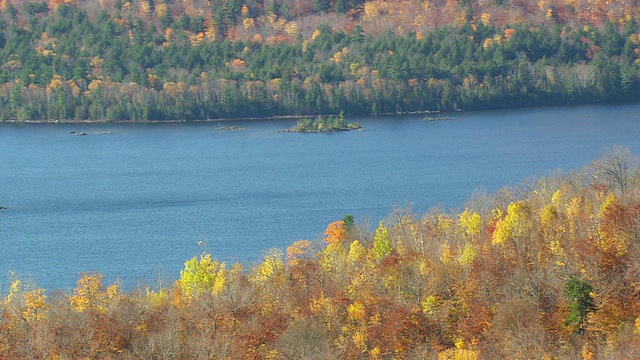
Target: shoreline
277,117
438,113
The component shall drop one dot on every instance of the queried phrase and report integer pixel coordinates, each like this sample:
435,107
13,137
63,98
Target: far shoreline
300,116
174,121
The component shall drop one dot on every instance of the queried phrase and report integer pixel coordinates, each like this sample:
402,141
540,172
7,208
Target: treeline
65,62
548,270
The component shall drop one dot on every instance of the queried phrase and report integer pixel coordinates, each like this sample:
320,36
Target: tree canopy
193,60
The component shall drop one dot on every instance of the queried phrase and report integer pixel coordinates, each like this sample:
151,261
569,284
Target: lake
132,201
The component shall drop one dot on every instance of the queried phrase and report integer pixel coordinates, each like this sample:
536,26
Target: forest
544,270
154,60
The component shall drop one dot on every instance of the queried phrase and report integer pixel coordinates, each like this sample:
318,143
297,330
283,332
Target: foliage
335,232
36,305
356,251
271,265
298,250
468,254
514,225
414,287
470,222
324,124
192,60
90,294
348,221
202,274
381,243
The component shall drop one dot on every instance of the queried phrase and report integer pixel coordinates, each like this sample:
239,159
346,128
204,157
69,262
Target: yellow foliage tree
487,43
161,10
291,29
612,239
152,79
446,255
159,298
468,255
270,266
381,242
548,217
14,292
444,224
486,19
430,304
248,23
458,354
145,8
35,305
470,223
515,224
356,251
356,311
196,39
202,274
371,9
90,294
75,89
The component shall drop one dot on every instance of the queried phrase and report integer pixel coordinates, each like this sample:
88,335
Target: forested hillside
547,270
195,59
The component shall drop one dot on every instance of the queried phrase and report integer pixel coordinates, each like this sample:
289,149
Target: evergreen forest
152,60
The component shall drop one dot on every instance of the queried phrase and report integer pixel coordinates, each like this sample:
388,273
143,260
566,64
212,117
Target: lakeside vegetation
111,60
324,124
548,270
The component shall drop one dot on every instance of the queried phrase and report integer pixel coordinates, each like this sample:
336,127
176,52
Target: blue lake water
132,200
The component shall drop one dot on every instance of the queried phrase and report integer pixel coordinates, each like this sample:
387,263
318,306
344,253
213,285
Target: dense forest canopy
195,59
546,270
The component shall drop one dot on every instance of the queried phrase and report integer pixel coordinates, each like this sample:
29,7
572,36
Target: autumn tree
202,274
470,223
335,232
381,242
90,293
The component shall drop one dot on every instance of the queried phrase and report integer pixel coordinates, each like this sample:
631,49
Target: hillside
547,270
191,60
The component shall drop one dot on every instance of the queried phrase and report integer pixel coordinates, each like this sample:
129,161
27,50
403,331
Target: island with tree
324,124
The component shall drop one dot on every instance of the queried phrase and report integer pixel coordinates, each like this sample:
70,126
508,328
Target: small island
230,128
324,124
436,118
